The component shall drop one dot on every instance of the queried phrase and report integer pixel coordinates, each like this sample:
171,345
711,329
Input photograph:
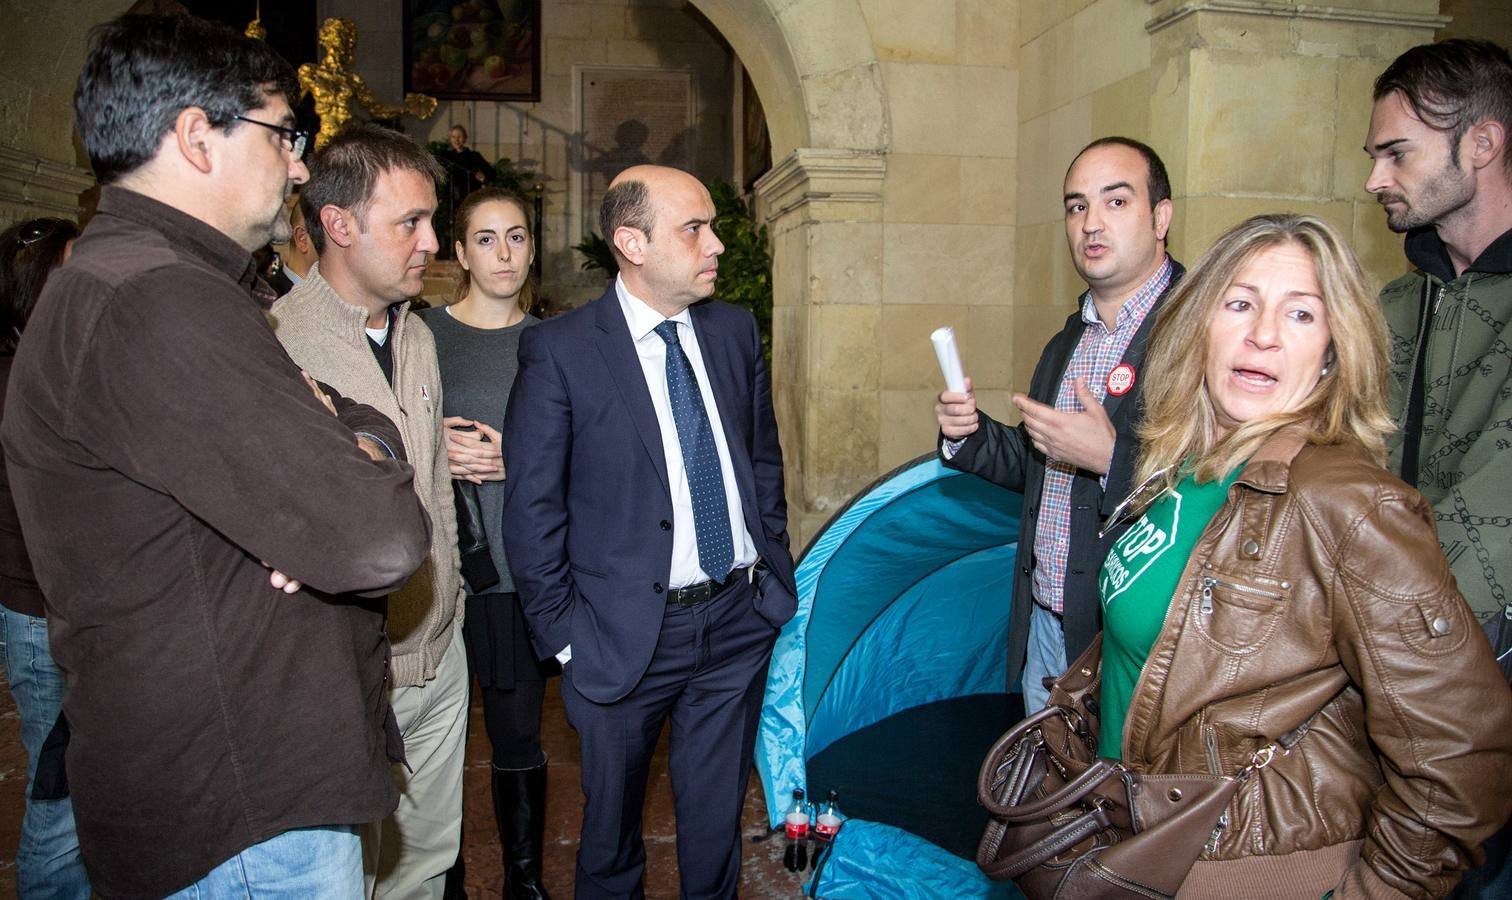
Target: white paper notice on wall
944,341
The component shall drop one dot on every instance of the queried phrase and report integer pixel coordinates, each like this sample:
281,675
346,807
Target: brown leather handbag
1070,825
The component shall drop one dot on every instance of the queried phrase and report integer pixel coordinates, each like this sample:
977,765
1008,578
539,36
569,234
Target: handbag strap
1087,825
1071,793
990,778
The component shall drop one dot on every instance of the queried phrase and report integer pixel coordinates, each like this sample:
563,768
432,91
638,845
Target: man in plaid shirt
1072,457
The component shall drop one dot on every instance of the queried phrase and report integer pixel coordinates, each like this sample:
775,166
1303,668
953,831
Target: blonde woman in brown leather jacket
1280,585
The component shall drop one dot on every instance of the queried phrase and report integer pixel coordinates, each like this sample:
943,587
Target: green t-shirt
1138,580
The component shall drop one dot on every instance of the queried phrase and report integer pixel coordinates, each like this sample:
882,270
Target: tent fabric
928,645
917,769
871,861
926,553
903,601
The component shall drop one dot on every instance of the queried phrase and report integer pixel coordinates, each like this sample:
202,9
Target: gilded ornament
338,90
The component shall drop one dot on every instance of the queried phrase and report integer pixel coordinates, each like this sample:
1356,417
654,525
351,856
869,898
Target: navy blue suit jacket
587,508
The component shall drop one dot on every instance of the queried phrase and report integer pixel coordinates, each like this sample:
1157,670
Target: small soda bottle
829,818
796,826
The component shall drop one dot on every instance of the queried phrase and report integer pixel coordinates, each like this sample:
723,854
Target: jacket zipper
1212,842
1210,737
1424,328
1209,582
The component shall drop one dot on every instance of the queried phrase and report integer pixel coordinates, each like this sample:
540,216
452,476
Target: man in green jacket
1439,140
1442,169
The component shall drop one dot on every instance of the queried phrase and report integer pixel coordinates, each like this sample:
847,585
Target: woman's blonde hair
463,220
1181,433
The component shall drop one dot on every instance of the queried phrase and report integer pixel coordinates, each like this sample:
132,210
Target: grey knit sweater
478,367
325,336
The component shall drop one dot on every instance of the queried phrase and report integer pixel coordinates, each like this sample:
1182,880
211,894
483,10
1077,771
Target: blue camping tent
889,684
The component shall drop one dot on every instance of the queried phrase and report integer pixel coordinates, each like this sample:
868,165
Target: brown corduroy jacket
164,451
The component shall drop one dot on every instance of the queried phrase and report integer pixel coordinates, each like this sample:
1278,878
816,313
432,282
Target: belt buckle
691,595
694,594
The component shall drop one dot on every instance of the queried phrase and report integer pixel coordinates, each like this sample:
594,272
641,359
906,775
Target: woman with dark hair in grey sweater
477,342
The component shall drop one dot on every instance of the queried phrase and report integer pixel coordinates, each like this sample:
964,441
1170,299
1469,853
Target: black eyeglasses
293,139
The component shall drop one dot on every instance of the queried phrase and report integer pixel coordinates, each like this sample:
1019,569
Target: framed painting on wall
473,49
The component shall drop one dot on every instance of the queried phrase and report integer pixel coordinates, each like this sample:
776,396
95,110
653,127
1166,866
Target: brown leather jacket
1319,587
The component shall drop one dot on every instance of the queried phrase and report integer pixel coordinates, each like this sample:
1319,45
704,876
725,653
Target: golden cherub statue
337,88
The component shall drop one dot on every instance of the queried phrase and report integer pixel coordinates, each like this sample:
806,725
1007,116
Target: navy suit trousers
706,676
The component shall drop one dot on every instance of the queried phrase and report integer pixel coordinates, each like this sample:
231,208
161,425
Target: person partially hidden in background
47,859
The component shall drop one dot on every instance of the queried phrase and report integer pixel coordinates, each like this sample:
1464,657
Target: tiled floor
762,875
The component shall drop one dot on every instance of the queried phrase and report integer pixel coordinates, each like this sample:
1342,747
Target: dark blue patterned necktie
711,513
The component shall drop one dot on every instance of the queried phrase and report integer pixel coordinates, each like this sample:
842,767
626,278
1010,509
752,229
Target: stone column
824,212
1263,107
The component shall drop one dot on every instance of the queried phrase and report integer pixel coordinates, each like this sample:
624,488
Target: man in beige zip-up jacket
368,208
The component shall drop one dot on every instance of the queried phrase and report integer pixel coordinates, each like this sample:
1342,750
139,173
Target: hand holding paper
956,410
950,358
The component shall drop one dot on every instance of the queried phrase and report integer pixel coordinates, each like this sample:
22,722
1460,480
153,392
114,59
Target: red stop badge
1121,379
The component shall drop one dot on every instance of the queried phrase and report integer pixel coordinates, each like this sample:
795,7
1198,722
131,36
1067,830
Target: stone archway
813,65
816,70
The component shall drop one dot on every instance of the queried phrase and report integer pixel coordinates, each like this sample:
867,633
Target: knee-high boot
519,797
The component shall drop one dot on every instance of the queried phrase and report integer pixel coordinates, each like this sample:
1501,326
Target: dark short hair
346,171
142,71
1158,182
627,203
29,251
1452,85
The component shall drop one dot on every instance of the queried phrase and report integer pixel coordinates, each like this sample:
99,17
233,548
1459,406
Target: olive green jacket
1465,454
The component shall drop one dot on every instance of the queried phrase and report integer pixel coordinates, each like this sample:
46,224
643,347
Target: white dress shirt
652,350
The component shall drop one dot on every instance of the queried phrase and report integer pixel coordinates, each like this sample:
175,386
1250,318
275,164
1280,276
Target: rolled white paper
950,358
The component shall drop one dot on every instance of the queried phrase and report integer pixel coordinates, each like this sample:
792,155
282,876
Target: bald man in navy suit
647,531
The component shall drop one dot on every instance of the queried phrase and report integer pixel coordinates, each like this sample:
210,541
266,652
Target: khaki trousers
406,856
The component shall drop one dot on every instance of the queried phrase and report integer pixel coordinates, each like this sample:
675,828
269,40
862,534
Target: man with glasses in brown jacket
230,728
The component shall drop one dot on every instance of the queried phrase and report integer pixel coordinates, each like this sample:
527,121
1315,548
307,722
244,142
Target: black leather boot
519,797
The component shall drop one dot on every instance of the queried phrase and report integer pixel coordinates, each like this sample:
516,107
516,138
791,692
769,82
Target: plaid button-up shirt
1097,353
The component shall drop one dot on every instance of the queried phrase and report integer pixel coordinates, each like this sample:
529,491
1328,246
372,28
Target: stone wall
1489,19
43,171
951,76
896,218
1269,113
628,35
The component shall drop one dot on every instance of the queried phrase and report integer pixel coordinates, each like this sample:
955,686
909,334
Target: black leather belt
704,590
